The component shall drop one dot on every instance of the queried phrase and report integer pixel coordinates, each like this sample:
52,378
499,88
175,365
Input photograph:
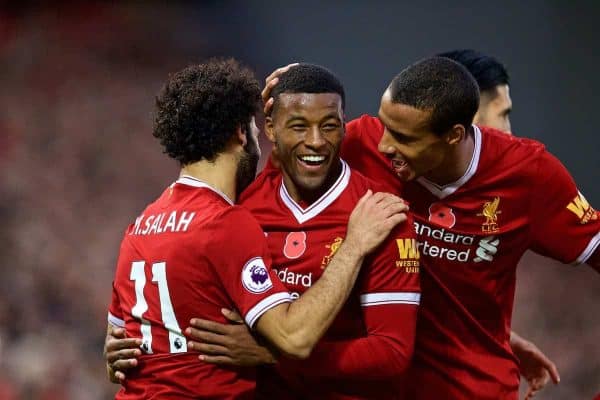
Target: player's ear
455,135
269,129
242,135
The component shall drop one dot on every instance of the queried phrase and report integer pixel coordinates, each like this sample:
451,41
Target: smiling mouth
398,164
312,160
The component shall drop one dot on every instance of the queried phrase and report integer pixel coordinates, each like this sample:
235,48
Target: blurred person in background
494,110
495,104
205,121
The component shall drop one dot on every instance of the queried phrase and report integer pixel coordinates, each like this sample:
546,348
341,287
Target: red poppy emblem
295,244
441,215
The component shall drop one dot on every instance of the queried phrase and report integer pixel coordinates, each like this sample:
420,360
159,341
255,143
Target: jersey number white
177,341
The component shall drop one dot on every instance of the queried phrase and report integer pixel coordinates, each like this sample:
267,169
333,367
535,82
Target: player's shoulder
498,142
364,126
261,190
501,151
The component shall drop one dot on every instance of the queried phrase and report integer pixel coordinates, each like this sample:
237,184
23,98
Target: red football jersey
514,196
190,253
302,240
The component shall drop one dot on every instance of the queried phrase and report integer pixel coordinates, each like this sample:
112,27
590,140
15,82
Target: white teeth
313,158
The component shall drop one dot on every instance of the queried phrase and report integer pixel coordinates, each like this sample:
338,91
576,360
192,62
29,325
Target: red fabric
468,280
363,340
204,257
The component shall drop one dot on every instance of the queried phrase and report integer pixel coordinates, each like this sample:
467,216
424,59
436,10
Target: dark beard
246,171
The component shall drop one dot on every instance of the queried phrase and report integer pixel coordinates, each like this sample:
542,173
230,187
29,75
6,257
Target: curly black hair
439,85
199,109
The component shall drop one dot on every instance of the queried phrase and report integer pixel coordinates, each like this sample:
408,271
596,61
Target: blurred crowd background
78,161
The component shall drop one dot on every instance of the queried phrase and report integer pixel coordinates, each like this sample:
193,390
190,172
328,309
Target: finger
119,344
218,360
210,349
268,106
116,332
394,220
269,85
123,354
210,326
395,208
124,365
120,376
553,371
379,197
232,315
279,71
206,337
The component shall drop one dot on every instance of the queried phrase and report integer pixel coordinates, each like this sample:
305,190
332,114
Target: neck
456,161
309,195
219,174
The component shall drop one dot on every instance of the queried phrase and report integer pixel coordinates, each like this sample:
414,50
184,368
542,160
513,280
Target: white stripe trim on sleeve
266,304
375,299
589,250
118,322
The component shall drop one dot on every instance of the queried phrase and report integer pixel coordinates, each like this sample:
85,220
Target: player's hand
372,219
270,83
535,367
227,344
120,353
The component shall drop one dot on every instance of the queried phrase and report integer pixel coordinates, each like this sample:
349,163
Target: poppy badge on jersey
442,215
295,245
255,276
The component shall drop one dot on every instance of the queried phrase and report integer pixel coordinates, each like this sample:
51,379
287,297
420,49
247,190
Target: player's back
166,274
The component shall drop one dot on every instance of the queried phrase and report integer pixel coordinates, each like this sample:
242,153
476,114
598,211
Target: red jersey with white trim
190,253
513,197
302,240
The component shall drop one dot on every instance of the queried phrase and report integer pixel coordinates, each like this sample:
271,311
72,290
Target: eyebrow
300,118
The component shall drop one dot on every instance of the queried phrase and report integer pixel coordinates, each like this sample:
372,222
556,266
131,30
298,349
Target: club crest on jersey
582,209
441,214
333,248
295,245
490,212
255,276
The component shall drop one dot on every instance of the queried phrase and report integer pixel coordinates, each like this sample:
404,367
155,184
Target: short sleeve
392,273
565,226
240,256
115,314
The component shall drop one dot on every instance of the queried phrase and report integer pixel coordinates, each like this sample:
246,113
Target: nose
385,145
314,138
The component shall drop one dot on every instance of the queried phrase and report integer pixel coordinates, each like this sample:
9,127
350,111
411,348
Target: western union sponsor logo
582,209
407,249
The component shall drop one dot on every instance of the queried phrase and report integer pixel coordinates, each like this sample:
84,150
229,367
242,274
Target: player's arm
389,290
294,328
534,365
564,225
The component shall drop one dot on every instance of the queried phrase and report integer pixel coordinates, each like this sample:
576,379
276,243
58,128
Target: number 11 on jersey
177,342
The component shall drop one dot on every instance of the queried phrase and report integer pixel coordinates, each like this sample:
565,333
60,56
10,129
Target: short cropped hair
487,70
308,78
200,107
441,86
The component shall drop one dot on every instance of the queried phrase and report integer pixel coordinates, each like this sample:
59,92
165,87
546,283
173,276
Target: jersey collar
446,190
304,214
191,181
